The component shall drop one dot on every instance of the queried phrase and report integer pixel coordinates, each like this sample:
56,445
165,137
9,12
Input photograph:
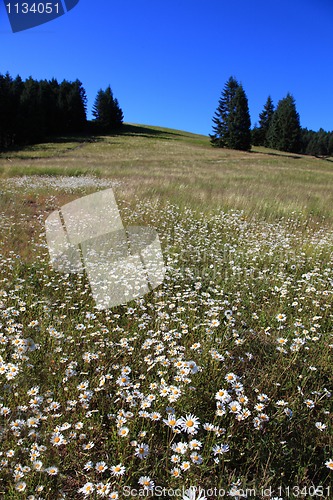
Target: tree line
279,128
32,111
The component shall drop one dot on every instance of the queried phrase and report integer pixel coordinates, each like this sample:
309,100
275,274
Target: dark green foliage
32,111
240,122
317,143
256,136
72,106
220,137
284,132
106,110
231,120
265,119
10,93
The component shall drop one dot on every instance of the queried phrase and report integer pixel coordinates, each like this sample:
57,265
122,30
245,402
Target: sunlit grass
173,165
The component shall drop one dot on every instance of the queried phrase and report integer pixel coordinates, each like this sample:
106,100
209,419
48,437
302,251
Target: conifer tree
220,137
6,112
232,118
240,122
106,110
284,132
265,119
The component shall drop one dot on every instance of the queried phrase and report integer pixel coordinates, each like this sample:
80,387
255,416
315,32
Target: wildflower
329,464
219,449
101,467
257,424
118,470
52,471
155,416
83,385
88,446
180,447
309,403
288,412
194,444
89,465
281,317
243,414
234,406
32,422
185,465
176,472
193,367
263,398
171,421
243,399
223,395
230,377
114,495
208,427
102,489
164,391
5,411
20,486
320,426
123,431
123,381
281,402
57,439
238,387
33,391
189,424
87,489
17,475
196,458
146,482
142,450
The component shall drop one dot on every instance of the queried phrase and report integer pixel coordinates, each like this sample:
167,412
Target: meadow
220,380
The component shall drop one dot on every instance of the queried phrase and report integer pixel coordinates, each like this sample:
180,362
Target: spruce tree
220,137
240,122
284,132
106,110
32,116
6,112
330,144
231,120
265,119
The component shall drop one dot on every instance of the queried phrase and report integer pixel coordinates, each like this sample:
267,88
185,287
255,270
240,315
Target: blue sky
167,61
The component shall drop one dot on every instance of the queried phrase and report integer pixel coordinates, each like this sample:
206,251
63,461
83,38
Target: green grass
173,165
247,241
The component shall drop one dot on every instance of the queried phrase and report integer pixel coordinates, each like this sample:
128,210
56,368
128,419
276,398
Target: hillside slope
180,167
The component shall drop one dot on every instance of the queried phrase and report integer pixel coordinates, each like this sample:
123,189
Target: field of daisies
217,383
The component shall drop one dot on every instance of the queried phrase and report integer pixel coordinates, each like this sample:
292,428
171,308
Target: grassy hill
220,378
176,166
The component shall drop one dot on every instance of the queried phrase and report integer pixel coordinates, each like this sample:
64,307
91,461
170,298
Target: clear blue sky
167,61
